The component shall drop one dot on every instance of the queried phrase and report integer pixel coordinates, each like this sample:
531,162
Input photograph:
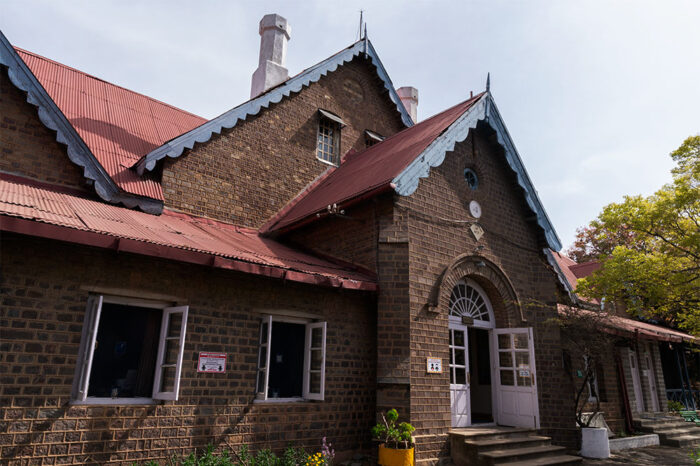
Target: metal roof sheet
367,171
39,203
119,126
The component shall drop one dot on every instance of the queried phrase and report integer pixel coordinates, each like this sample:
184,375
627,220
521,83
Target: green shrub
675,406
392,435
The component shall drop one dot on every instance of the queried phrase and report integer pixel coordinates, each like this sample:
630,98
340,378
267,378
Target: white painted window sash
89,339
308,394
263,366
168,313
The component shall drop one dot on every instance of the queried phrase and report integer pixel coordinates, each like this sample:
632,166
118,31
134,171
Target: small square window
372,138
131,353
291,360
328,138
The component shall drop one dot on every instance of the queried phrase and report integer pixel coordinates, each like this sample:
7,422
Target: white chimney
274,34
409,98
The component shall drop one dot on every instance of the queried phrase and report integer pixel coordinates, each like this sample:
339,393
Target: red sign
212,362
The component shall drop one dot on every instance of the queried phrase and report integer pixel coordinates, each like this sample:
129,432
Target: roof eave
53,118
176,146
485,110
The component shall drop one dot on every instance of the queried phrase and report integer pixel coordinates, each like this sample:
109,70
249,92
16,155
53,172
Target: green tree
650,248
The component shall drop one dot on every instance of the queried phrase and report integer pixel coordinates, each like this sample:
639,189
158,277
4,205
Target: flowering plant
324,457
393,436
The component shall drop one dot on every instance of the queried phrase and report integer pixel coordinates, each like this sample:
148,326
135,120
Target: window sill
115,401
327,162
283,400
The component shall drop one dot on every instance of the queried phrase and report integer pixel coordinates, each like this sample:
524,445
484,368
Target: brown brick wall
248,173
43,307
27,147
513,245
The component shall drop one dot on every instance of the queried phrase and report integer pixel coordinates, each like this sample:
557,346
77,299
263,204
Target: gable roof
367,172
175,147
400,161
119,126
36,209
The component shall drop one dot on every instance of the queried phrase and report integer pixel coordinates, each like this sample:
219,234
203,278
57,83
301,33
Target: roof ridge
84,73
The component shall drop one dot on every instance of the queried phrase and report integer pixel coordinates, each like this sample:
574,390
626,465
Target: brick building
277,274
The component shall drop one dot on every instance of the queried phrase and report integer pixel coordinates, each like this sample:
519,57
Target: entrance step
505,445
672,431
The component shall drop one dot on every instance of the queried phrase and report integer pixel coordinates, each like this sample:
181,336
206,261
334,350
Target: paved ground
647,456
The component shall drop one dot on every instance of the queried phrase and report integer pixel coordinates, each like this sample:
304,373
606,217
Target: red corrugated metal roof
118,125
631,327
171,235
365,173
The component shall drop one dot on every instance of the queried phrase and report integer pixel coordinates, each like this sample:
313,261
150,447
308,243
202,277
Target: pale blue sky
595,94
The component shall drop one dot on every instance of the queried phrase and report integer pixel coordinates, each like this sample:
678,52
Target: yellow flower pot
394,457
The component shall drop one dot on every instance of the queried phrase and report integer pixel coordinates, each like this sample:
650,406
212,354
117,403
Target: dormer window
328,139
371,138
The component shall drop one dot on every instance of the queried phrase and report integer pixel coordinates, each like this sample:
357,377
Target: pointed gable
228,120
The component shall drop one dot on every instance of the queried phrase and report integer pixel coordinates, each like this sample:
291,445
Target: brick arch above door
504,300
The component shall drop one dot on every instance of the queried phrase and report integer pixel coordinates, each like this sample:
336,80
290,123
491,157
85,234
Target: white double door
512,377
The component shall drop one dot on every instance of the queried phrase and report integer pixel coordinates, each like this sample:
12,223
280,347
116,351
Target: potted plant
397,448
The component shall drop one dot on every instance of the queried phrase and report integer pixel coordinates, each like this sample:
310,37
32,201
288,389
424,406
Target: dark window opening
372,138
125,352
286,360
471,178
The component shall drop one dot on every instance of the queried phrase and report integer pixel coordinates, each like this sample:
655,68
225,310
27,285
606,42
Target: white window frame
261,392
88,339
334,124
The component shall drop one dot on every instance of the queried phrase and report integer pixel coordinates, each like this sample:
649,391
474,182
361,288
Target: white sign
524,373
212,362
477,231
434,365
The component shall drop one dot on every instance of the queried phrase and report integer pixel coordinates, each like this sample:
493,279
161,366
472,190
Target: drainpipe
623,390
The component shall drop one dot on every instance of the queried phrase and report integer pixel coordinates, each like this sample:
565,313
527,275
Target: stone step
658,422
552,460
480,434
512,455
681,441
490,444
662,433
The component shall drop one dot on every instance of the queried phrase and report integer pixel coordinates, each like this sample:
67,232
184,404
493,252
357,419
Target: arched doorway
471,321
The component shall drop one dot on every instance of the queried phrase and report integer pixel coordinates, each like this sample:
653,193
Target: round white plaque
475,209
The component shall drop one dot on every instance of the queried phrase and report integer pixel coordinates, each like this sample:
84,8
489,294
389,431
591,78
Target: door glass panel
505,359
520,340
524,381
459,357
460,376
507,377
452,375
452,356
503,341
459,338
452,338
522,359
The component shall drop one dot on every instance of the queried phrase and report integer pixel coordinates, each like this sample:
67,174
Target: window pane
263,357
505,359
263,333
507,377
520,340
522,359
316,337
452,375
285,379
459,338
459,357
171,352
504,341
125,354
524,381
261,381
314,382
316,360
167,383
175,325
461,376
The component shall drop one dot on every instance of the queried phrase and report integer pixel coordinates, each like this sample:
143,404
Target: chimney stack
274,34
409,98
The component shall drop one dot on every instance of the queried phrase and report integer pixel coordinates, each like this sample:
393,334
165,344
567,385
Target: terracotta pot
394,457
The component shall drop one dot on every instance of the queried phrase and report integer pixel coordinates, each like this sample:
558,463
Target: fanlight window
468,301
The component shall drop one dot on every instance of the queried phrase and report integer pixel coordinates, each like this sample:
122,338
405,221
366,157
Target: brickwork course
418,247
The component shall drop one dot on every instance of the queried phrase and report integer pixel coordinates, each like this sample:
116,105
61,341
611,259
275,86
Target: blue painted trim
560,275
484,109
175,147
53,118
